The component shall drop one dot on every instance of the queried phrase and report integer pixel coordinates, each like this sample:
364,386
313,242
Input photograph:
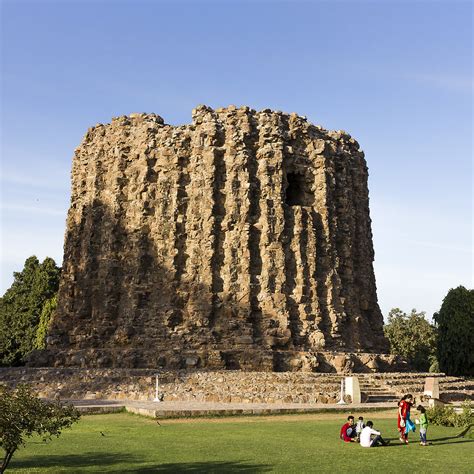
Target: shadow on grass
102,460
447,438
99,459
204,467
392,442
456,439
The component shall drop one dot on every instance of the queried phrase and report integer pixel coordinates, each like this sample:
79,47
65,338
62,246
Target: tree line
444,345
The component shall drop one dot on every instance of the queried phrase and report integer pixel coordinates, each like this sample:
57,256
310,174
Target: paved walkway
181,409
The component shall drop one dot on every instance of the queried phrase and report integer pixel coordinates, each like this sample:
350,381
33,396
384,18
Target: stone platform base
169,410
248,359
225,386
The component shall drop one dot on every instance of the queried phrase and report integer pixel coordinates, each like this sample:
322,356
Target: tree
412,337
21,307
23,415
45,318
455,322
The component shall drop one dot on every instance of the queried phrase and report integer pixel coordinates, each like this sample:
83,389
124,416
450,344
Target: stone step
224,386
376,394
373,387
382,399
179,409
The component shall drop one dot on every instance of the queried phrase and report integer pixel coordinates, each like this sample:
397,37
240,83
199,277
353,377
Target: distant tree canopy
25,309
455,323
412,337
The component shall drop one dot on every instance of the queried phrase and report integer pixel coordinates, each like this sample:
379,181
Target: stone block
352,389
431,388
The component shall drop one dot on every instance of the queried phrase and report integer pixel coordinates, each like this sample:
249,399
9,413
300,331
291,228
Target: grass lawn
298,443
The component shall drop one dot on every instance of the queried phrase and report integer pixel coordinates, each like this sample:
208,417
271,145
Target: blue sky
396,75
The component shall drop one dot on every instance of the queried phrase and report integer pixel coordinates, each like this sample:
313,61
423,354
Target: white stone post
341,401
157,398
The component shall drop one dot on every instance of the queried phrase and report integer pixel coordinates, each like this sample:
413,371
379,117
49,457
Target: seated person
359,427
348,432
366,439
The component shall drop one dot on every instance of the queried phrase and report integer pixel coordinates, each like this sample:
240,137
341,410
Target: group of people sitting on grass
368,437
361,432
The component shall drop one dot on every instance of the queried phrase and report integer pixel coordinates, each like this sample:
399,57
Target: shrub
466,417
442,416
446,416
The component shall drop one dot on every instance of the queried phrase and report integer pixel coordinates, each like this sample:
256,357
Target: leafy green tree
45,317
21,307
23,415
412,337
455,323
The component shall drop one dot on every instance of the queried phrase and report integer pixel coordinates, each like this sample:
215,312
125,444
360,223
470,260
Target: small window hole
298,190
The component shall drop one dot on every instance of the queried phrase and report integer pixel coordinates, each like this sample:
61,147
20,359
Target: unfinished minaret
242,240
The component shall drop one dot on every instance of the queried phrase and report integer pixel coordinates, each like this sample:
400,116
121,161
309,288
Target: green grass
294,444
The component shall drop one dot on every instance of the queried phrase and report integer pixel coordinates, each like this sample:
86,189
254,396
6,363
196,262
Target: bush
446,416
442,416
466,417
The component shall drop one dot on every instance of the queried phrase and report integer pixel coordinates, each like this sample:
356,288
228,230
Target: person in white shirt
359,427
366,439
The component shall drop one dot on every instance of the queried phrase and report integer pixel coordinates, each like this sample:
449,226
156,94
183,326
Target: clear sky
396,75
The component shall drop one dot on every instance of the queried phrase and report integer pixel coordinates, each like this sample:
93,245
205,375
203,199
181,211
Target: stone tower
242,240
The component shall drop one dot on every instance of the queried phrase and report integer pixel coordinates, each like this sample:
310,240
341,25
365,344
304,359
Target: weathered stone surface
240,241
222,386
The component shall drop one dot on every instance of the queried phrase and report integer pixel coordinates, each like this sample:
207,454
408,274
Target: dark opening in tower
298,190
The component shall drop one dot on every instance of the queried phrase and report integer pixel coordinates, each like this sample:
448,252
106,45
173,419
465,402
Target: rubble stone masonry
240,241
